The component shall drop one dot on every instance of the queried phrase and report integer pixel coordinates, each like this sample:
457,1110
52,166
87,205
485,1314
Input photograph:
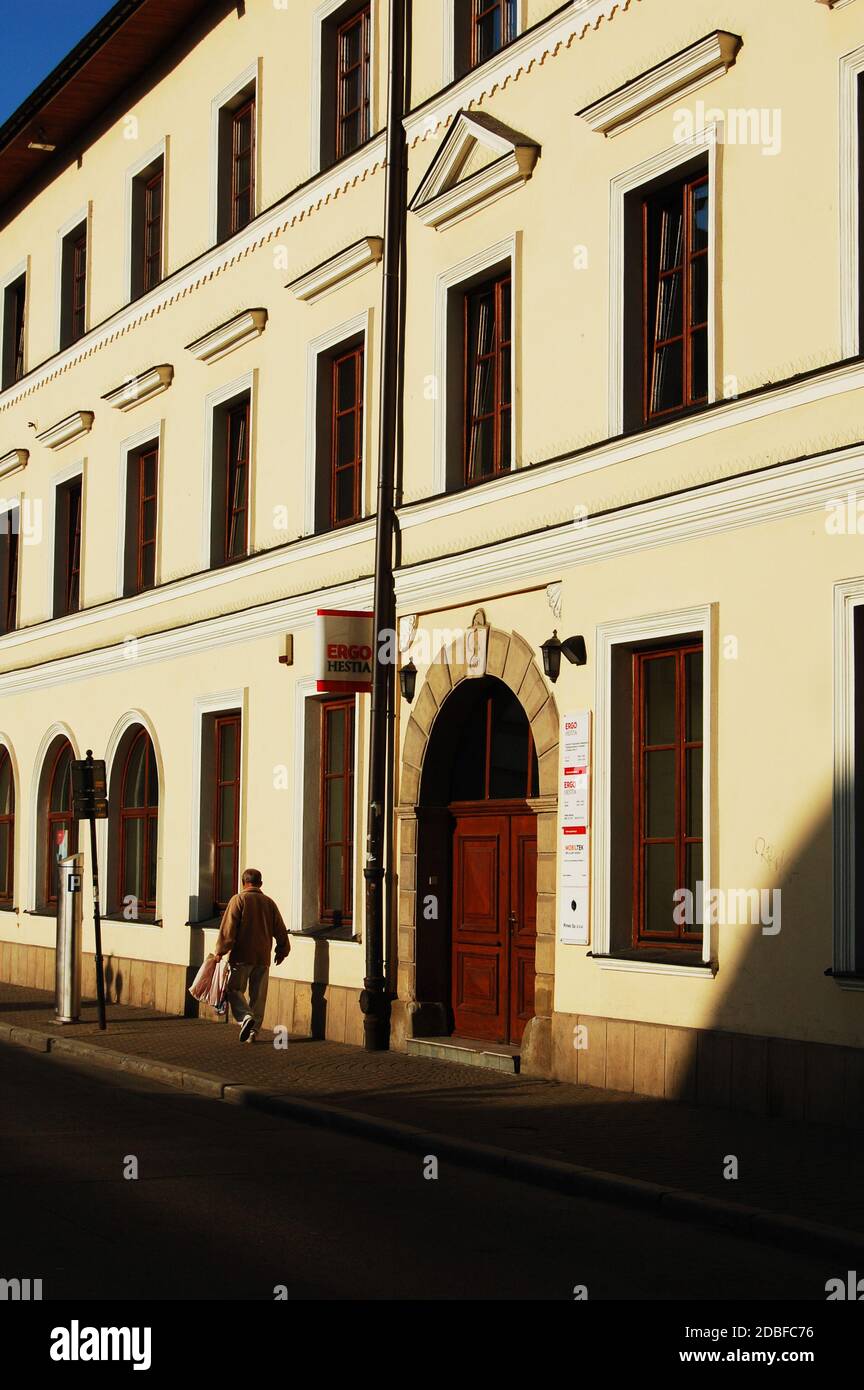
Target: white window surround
848,596
159,151
315,350
448,70
22,268
84,214
709,138
305,690
247,382
131,719
320,17
152,434
609,635
250,74
203,705
36,823
56,481
851,68
446,282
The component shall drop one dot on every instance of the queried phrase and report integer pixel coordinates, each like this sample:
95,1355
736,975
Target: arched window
61,830
139,825
7,829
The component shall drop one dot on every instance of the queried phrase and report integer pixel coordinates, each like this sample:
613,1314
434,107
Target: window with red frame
242,166
675,233
67,552
226,809
667,793
346,463
487,383
493,24
61,830
9,532
337,812
145,483
79,286
7,829
352,82
237,481
152,231
139,826
14,310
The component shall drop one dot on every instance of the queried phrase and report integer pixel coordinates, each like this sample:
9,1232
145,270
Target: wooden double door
494,921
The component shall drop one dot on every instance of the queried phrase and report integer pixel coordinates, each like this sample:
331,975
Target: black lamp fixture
408,681
573,648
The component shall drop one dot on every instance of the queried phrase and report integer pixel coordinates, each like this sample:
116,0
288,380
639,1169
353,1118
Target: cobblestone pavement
807,1171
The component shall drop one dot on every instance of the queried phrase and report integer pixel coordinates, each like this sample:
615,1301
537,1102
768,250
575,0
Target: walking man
250,925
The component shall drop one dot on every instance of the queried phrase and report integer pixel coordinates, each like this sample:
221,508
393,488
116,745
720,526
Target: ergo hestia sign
345,651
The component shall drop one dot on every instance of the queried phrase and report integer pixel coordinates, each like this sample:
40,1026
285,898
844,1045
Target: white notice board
573,839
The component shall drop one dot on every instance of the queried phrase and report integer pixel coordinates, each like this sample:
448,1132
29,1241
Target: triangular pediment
479,160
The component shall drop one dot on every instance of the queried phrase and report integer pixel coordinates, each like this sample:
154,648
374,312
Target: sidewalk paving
797,1172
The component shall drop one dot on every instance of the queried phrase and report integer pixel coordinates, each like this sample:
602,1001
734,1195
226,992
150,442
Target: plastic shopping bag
219,984
200,986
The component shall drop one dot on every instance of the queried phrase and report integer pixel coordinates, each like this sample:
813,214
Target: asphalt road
229,1204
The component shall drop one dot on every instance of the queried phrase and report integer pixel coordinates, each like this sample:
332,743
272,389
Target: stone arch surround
511,659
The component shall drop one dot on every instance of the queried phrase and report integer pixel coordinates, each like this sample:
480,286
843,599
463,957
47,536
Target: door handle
511,918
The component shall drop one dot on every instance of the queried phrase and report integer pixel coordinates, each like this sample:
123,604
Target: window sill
343,935
4,907
41,912
657,963
131,921
206,923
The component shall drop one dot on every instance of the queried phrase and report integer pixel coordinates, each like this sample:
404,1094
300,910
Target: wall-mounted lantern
573,648
408,681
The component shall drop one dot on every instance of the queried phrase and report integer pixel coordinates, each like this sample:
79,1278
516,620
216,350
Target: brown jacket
251,923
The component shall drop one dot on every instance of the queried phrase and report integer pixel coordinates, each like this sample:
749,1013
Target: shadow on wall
320,981
791,1066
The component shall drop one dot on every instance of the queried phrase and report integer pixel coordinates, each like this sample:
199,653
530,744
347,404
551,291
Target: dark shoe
253,1036
247,1028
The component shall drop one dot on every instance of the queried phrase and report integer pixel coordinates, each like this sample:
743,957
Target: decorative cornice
766,494
338,269
605,454
442,198
67,430
295,207
695,65
834,4
143,387
228,336
542,41
13,461
291,556
227,630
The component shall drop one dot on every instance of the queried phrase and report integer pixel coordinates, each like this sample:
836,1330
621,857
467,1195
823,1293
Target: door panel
494,923
523,909
481,878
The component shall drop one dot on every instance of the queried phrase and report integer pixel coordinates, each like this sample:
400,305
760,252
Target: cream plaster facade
721,513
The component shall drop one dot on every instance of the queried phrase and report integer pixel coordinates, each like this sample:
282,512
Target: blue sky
35,36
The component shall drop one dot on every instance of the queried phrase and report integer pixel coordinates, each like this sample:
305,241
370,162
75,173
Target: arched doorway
474,817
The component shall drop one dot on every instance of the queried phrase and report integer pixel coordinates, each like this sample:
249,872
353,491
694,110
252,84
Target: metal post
97,924
375,998
67,992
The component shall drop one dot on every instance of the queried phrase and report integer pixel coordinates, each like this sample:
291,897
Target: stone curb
791,1232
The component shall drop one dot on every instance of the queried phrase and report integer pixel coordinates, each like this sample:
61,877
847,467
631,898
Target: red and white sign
345,654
